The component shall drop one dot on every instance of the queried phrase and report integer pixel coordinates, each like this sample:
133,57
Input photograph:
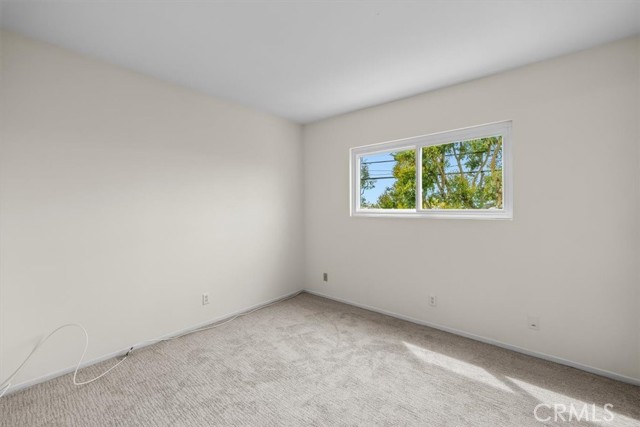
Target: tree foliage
366,183
459,175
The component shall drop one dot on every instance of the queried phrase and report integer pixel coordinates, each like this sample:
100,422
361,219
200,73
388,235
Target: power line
378,161
382,177
446,155
446,173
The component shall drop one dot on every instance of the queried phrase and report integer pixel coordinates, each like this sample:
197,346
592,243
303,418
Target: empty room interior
319,213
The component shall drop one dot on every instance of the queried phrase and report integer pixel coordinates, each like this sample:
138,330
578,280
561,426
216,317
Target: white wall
124,198
571,253
637,109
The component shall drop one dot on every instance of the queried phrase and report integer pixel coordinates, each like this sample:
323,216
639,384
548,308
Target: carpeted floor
310,361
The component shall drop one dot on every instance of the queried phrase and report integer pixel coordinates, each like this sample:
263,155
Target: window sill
483,215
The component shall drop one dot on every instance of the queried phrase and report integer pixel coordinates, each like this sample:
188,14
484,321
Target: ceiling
308,60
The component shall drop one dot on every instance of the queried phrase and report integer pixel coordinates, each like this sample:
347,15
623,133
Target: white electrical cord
4,387
7,384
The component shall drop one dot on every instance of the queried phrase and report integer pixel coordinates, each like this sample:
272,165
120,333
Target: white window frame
502,129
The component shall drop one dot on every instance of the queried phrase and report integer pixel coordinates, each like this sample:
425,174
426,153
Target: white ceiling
307,60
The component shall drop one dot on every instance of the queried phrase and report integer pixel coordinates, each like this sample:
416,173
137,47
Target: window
464,173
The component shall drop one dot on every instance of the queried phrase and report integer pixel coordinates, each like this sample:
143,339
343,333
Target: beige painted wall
570,255
124,198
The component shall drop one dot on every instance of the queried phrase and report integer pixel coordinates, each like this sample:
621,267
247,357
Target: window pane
388,180
463,175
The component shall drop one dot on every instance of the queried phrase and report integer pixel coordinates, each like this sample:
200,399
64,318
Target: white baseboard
145,343
587,368
122,352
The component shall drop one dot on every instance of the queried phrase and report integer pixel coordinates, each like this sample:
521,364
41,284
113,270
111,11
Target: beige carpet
309,361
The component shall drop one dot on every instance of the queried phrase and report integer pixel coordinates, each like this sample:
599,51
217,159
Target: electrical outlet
533,322
205,299
433,301
325,277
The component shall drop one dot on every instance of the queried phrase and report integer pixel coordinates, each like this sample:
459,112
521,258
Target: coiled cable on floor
4,387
